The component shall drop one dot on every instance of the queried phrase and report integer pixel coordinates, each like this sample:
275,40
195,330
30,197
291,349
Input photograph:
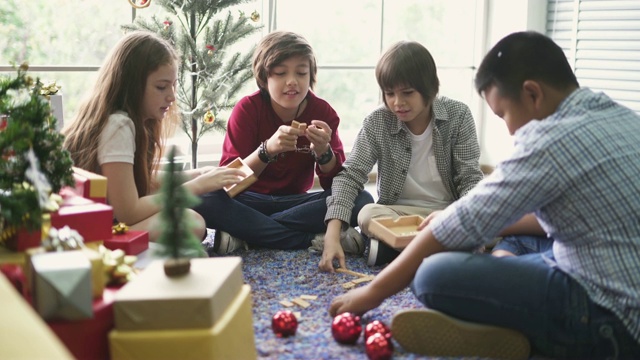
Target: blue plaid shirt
579,171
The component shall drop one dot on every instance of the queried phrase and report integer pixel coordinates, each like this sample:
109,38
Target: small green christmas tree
26,125
210,75
177,240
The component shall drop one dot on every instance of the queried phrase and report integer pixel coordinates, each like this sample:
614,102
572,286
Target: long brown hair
120,86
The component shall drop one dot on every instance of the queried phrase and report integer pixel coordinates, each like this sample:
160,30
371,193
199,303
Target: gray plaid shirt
383,139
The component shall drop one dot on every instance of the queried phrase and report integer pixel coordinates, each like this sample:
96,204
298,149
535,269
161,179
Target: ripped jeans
527,294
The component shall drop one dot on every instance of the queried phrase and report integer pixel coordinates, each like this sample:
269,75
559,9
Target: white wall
503,18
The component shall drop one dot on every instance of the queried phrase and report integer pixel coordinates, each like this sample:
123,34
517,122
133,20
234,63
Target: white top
118,140
424,186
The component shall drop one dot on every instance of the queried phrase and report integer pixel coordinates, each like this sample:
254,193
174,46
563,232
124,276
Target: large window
67,40
602,41
349,37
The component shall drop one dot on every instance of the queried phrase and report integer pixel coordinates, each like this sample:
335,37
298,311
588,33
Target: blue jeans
524,244
272,221
527,294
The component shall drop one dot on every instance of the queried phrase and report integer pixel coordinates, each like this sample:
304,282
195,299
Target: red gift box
89,338
133,242
24,239
90,185
92,220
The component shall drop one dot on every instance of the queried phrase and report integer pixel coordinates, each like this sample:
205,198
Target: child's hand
332,250
319,135
357,301
428,219
215,178
283,140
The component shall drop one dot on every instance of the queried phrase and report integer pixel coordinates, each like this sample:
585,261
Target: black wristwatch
325,157
264,155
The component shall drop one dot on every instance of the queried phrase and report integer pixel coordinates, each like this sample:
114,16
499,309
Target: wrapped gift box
231,337
396,233
90,185
92,220
24,239
132,242
98,279
62,285
8,257
197,300
248,180
24,334
56,108
89,338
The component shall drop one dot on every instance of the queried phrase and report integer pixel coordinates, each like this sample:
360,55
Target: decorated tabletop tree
211,73
178,242
31,153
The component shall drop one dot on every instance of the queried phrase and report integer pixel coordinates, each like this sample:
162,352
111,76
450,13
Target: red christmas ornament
284,323
346,328
379,347
376,326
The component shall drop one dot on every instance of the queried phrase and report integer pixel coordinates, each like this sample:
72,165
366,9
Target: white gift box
62,285
56,109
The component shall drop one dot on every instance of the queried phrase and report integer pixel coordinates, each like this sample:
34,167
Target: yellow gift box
24,334
153,301
98,278
231,337
90,185
8,257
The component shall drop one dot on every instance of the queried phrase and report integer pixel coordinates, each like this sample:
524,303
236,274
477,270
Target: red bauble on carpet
346,328
284,323
379,347
376,326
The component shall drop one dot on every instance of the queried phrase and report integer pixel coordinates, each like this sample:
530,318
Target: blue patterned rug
276,275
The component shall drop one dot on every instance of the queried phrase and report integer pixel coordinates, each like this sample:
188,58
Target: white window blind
602,41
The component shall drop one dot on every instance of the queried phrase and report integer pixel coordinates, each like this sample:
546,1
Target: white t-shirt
423,186
118,140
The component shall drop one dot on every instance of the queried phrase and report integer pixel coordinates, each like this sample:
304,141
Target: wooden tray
249,179
396,233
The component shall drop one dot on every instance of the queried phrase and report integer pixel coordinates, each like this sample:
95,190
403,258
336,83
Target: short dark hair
408,63
521,56
277,47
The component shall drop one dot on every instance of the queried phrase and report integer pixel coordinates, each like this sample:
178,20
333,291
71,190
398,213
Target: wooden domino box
395,233
249,179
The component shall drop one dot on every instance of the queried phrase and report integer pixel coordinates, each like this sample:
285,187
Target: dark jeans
526,293
270,221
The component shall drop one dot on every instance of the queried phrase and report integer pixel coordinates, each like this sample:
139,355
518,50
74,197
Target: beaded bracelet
325,157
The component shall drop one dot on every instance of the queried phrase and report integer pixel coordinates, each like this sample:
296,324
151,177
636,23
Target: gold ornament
167,24
143,4
210,49
255,16
209,118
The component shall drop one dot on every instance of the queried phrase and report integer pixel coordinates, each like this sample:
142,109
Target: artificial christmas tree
177,240
32,161
211,73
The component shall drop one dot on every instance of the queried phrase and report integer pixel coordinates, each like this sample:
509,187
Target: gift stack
90,191
204,314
